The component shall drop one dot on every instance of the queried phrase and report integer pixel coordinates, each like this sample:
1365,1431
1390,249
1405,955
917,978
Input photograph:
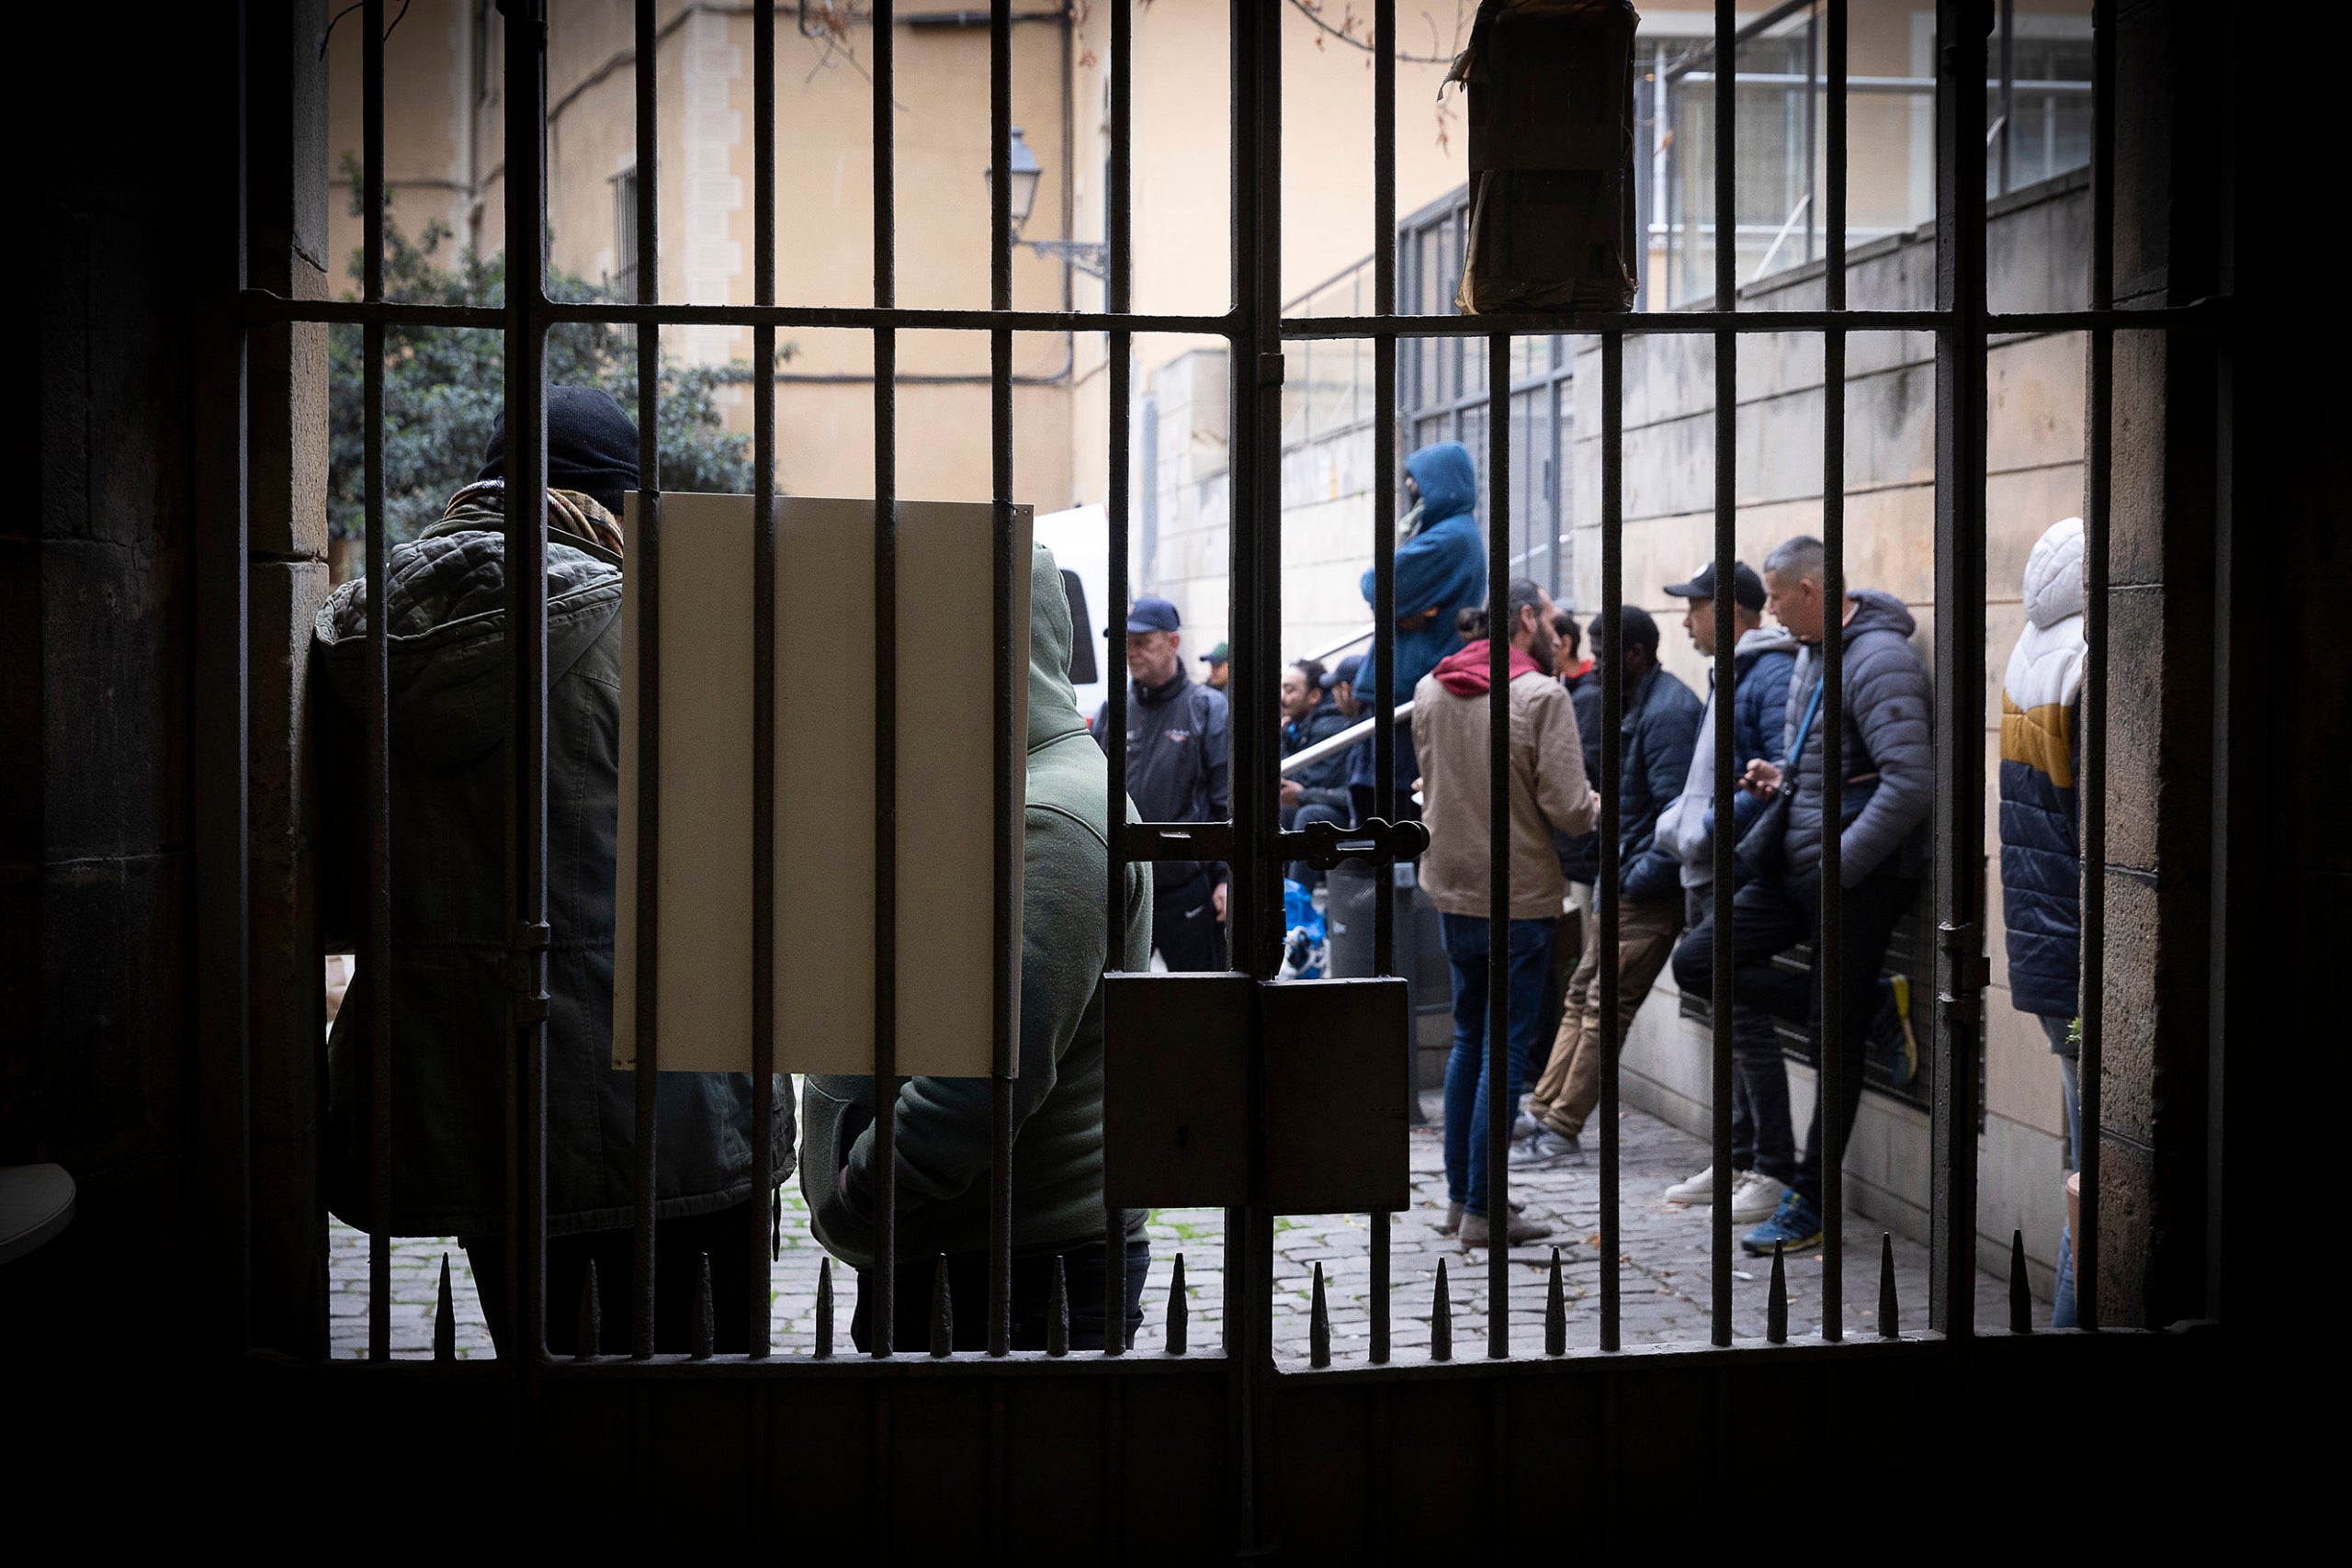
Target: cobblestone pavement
1663,1272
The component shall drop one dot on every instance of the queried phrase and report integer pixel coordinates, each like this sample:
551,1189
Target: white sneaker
1699,1189
1756,1197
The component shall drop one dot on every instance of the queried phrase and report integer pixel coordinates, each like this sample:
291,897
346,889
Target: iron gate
1274,1442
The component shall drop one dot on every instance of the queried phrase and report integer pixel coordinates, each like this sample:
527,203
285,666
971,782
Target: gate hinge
1269,370
1965,965
521,970
1373,841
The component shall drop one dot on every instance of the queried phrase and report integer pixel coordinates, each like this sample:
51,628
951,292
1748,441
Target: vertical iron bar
882,67
1959,660
1500,1101
1726,432
763,694
1613,708
1254,902
645,543
1383,510
1829,950
526,682
1007,798
1118,298
2090,783
379,747
2008,86
1812,122
1384,576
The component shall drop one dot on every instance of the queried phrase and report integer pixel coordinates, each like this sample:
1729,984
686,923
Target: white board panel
825,786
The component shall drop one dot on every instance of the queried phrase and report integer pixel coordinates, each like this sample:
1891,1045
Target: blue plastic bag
1306,952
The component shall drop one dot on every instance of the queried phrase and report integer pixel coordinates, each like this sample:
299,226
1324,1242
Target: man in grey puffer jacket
1889,783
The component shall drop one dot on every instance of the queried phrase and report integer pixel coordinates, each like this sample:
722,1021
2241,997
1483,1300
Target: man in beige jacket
1548,793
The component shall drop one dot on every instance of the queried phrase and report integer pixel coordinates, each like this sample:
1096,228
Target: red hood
1463,673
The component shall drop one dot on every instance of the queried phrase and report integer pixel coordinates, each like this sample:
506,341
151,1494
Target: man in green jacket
446,596
943,1124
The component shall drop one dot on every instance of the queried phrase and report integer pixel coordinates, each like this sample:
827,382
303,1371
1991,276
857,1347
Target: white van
1081,540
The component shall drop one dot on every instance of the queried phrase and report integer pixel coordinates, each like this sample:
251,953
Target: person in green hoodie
944,1134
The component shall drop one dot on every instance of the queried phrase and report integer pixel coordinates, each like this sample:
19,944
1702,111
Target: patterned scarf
483,504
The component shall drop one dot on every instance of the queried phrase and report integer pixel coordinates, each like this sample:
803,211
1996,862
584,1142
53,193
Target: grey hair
1799,559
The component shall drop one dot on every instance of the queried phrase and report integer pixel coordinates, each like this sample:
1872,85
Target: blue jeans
2062,1299
1466,1088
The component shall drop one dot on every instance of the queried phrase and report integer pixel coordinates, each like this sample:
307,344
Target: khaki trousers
1570,1086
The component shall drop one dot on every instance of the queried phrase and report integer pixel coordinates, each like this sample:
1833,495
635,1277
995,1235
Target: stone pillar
286,572
2159,787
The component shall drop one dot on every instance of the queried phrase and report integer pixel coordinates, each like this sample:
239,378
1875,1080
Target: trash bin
1420,955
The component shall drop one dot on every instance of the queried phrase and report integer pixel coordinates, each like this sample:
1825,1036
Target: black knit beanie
592,446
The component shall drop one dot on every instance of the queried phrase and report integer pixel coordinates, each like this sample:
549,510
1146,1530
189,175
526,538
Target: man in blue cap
1177,738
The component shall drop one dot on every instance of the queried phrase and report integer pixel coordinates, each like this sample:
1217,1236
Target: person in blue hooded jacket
1441,570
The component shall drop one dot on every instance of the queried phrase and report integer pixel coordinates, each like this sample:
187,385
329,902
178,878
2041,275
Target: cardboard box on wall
1551,112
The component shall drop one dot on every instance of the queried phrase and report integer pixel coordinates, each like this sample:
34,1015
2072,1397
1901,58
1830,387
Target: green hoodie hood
1053,704
944,1126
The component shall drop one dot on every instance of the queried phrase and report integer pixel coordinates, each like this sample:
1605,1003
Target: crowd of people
444,600
1665,794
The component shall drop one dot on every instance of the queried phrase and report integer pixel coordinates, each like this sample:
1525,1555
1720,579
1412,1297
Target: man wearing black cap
445,604
1176,773
1659,727
1762,657
1318,791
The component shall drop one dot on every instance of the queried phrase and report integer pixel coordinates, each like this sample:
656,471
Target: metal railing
1256,332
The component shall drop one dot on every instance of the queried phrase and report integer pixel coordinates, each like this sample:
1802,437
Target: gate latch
521,969
1323,845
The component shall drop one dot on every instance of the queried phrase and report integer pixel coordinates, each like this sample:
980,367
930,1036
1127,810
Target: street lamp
1021,195
1089,257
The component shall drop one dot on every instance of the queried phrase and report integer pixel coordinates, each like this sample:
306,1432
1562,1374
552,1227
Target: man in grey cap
1176,731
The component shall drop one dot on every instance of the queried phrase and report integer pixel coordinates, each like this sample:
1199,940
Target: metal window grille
1258,334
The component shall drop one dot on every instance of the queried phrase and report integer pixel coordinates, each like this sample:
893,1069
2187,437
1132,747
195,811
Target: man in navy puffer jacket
1655,736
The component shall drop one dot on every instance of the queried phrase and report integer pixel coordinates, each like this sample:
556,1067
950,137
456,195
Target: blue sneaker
1891,1034
1795,1225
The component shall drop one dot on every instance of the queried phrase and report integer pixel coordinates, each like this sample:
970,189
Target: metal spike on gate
824,1309
445,1320
1890,1325
1555,1312
1775,1305
1318,1326
704,1333
1057,1314
943,1312
591,1328
2021,1293
1442,1320
1177,1309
